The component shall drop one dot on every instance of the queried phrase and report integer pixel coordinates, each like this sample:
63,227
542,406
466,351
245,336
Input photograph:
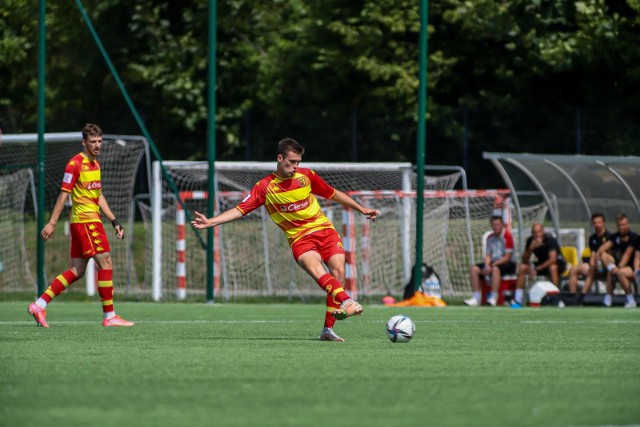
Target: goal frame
405,168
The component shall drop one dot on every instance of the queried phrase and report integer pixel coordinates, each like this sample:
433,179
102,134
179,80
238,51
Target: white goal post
235,179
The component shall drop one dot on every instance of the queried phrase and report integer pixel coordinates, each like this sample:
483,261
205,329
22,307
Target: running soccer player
288,195
81,182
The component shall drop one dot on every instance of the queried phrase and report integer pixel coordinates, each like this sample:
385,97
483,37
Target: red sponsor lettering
294,207
93,185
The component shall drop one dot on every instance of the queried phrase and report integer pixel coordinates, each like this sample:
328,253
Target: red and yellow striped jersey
291,202
82,180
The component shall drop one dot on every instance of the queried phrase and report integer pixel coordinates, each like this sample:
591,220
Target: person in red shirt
288,194
81,182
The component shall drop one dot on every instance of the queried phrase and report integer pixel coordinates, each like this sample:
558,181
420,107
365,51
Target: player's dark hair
494,217
621,216
289,144
598,215
90,130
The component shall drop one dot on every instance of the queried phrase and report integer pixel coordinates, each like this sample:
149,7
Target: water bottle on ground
431,286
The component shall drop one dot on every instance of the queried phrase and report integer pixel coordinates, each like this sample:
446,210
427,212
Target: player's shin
57,286
105,289
333,288
332,305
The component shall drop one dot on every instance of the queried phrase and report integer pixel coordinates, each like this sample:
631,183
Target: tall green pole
421,142
41,126
211,142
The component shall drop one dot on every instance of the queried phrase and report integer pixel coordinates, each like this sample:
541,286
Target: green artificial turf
262,365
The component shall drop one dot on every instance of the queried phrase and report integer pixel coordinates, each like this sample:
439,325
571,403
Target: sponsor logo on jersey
622,239
67,178
294,207
93,185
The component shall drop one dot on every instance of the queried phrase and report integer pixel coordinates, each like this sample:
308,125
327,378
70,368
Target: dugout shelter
573,187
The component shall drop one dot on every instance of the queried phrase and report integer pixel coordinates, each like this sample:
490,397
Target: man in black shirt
593,267
618,255
549,261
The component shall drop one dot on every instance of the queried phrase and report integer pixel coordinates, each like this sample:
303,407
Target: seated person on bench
591,268
550,261
618,256
497,263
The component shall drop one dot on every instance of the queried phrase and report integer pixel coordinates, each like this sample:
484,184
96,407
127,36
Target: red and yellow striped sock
333,288
332,305
105,289
59,285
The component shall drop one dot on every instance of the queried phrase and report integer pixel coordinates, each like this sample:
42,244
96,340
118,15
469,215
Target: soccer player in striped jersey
82,183
289,197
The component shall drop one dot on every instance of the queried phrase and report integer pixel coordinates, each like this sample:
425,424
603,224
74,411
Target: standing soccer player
288,195
81,181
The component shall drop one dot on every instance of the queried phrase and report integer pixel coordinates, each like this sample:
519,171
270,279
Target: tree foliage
342,77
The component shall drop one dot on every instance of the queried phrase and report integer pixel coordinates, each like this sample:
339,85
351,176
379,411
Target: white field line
213,321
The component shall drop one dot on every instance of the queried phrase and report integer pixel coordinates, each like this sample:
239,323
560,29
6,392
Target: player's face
598,224
538,232
623,226
288,164
496,226
92,146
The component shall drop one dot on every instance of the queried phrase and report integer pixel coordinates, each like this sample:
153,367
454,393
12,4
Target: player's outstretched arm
48,230
201,221
348,202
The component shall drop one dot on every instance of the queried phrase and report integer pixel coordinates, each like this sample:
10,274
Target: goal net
252,257
15,189
120,159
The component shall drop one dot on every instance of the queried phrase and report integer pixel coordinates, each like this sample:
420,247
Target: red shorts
88,239
326,242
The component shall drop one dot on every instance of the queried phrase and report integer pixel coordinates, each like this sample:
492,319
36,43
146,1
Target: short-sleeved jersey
499,246
549,243
636,243
596,241
82,180
621,243
291,202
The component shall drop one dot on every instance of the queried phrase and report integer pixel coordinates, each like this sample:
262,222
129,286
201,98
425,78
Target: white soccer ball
400,328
